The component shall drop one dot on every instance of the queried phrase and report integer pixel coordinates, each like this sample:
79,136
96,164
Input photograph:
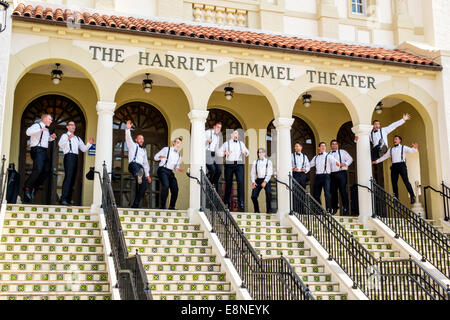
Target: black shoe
172,208
26,196
413,200
334,211
64,203
134,206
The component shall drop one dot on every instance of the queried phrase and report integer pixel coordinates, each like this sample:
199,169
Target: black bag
91,173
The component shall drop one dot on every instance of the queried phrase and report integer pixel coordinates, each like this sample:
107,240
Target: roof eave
228,43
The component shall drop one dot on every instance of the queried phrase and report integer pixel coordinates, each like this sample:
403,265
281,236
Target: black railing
445,194
378,279
131,277
3,180
265,279
432,244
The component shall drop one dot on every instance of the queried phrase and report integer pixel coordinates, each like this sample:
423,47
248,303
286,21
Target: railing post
2,178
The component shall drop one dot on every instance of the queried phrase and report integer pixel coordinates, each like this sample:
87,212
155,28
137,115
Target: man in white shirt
169,160
39,139
338,178
322,162
300,164
137,164
70,143
397,153
235,153
261,173
212,161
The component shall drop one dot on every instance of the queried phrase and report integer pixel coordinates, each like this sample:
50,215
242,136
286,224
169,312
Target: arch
62,110
263,88
150,123
58,51
129,70
234,120
348,97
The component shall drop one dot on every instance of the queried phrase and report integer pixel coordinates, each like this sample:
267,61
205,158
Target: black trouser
214,170
338,181
70,171
238,171
300,177
399,169
168,181
134,168
255,195
322,181
41,168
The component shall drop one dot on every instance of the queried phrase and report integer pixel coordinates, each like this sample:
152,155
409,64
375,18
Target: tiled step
270,251
81,295
193,295
52,253
181,276
179,262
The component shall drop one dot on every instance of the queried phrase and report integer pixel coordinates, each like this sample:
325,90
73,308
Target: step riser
64,249
56,277
50,266
31,288
51,239
190,287
161,296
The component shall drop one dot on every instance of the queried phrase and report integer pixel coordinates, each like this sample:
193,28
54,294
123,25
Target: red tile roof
222,36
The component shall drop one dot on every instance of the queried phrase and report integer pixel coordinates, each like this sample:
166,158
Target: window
359,6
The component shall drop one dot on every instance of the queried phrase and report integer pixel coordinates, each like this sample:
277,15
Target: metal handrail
265,279
445,194
132,279
374,277
432,244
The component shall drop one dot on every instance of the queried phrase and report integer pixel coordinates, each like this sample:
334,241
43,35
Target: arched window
62,110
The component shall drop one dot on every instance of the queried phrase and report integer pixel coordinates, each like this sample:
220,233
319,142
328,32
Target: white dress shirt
262,169
375,136
136,153
319,162
236,148
37,137
343,157
172,160
300,161
72,145
396,153
211,135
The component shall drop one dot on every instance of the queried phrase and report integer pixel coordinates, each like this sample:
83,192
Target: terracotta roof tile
223,36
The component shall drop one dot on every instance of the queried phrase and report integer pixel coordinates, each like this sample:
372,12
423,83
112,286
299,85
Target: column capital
105,107
283,123
198,115
362,129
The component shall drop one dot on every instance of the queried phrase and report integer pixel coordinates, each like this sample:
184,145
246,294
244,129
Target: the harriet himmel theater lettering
235,68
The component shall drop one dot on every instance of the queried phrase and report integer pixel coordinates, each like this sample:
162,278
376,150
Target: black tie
299,154
375,131
235,141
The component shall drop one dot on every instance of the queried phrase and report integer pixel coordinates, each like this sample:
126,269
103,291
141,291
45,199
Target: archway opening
421,170
150,123
249,109
62,110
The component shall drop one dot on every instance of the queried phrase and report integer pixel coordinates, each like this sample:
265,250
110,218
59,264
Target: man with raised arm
137,164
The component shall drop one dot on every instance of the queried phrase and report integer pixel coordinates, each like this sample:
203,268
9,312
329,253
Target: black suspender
240,147
325,166
295,160
167,157
340,158
40,139
381,135
135,154
401,155
267,165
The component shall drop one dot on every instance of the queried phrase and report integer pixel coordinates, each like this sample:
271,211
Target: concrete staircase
270,239
370,239
176,255
52,253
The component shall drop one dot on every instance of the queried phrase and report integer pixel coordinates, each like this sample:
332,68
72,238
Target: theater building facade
105,58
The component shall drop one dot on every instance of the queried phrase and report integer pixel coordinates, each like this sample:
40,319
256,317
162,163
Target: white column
364,163
104,141
197,154
284,165
5,48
